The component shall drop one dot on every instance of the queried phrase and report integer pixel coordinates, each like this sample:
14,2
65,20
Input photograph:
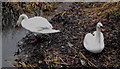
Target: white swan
36,24
95,42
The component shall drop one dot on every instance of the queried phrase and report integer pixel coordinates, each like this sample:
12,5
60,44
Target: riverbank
65,49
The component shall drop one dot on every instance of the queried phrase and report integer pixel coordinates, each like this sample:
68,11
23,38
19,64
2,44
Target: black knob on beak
102,28
17,27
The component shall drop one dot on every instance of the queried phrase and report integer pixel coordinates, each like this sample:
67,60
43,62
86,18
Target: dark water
10,37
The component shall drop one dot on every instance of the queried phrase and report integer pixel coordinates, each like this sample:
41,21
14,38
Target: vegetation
65,49
12,10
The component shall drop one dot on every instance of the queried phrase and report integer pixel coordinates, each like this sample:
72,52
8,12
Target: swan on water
95,42
36,24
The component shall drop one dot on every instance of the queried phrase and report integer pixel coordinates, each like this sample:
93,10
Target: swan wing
44,31
36,23
89,41
101,34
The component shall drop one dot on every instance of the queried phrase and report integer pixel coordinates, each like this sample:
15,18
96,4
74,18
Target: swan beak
17,27
102,28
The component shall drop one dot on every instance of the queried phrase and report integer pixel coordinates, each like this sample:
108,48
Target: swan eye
93,34
101,27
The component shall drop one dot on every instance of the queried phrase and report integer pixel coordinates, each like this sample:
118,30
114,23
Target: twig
55,62
23,64
83,56
64,12
60,58
87,59
10,63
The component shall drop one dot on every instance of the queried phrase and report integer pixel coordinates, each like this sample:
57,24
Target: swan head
20,19
100,26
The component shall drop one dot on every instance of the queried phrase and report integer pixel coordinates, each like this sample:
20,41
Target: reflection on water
10,37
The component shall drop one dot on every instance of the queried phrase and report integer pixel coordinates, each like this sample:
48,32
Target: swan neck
21,18
98,34
98,29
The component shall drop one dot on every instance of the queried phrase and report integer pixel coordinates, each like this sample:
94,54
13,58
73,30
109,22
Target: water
10,37
0,48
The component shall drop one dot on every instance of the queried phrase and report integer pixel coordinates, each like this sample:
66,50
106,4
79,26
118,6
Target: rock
69,44
83,62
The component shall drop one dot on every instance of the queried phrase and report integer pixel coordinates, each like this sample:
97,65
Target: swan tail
54,31
45,31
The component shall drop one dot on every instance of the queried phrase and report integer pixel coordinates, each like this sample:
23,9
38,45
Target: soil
66,49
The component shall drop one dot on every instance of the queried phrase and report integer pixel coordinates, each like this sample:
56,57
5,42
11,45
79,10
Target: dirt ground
65,49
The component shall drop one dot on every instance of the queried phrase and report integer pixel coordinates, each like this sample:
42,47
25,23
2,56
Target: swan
36,24
95,42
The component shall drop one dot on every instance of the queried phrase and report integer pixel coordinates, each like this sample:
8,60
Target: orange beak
102,28
17,27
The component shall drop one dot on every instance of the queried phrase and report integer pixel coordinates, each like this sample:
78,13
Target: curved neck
98,32
21,18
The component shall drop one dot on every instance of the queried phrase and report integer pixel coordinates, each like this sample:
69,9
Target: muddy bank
65,49
11,36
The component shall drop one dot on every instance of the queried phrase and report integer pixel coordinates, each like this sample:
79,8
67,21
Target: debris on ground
65,49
